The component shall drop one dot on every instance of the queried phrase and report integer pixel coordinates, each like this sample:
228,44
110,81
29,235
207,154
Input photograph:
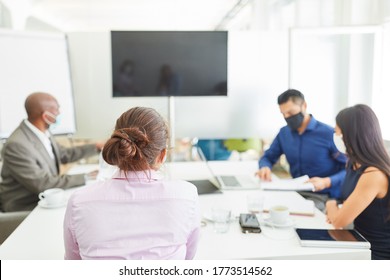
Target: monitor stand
171,123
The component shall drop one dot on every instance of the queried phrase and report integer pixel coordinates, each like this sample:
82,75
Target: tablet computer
332,238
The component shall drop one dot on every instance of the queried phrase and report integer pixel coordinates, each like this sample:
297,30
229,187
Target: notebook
225,182
332,238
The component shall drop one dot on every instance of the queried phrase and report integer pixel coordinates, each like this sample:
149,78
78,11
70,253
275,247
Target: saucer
289,223
44,204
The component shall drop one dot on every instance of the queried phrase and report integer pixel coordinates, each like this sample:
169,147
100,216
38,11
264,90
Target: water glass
221,219
255,203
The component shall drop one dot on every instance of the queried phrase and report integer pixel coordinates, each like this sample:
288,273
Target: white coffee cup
279,214
53,196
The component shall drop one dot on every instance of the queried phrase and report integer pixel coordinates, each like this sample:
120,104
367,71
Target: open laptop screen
205,186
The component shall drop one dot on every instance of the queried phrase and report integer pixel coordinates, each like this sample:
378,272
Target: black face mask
294,122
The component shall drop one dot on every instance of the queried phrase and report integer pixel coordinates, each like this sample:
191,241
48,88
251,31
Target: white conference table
40,235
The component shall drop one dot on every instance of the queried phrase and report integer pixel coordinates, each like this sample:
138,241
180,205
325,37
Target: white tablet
332,238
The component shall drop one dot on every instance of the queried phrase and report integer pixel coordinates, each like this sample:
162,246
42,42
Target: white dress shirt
44,137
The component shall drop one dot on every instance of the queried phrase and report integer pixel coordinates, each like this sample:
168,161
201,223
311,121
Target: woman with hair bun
135,214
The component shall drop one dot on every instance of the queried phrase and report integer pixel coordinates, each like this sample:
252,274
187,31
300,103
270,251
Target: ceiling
89,15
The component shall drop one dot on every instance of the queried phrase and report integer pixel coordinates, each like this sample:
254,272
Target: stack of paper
296,184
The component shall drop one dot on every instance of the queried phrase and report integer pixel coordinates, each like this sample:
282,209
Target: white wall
381,101
334,68
257,75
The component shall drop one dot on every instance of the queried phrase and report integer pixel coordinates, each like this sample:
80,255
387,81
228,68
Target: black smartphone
249,223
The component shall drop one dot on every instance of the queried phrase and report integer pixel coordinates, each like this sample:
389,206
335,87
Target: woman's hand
320,183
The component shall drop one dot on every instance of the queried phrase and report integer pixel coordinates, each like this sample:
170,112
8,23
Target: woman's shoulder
375,178
86,192
181,186
373,171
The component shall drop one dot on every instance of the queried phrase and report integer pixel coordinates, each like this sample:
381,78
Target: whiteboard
31,62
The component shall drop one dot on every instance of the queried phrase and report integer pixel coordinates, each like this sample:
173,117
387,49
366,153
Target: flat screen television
169,63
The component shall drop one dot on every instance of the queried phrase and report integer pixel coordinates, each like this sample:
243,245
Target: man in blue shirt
309,149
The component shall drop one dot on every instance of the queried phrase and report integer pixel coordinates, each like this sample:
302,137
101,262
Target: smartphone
249,223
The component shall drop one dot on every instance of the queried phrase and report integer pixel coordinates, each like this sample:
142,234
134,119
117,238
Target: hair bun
138,140
134,135
130,141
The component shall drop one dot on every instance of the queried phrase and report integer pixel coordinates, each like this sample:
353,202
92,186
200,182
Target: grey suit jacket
28,169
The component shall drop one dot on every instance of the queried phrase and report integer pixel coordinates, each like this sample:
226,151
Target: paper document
296,184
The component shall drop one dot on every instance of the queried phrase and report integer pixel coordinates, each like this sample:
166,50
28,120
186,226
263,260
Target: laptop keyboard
230,181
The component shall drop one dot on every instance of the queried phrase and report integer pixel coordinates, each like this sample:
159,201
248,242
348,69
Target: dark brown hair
362,137
363,140
140,136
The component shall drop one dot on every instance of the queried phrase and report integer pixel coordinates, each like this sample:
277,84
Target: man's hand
320,183
264,174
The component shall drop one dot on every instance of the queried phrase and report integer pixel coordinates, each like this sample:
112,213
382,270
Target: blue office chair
214,149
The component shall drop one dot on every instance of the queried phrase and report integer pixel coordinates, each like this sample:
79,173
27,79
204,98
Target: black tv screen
169,63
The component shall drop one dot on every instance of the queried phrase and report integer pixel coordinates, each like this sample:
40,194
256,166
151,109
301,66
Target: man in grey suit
32,158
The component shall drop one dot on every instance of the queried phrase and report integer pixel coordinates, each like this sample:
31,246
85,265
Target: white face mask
339,143
57,120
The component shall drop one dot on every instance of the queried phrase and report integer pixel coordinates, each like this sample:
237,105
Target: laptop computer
223,182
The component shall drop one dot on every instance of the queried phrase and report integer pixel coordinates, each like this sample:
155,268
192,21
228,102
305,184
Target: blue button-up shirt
311,153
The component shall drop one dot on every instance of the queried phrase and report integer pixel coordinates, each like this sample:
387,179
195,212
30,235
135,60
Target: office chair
214,149
9,221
